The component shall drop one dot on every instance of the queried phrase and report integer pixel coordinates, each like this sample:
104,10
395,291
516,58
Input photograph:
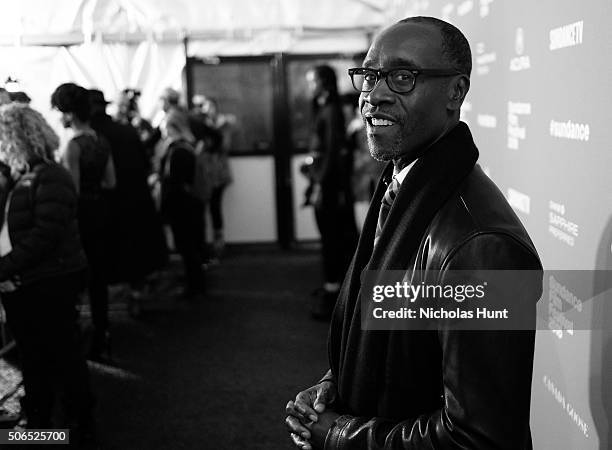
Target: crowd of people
91,215
106,207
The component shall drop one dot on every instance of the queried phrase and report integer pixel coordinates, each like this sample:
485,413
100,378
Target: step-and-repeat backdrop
540,109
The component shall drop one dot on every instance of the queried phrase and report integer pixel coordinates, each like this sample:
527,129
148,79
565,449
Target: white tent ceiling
61,22
113,44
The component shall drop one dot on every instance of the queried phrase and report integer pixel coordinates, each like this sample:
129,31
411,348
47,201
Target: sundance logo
570,130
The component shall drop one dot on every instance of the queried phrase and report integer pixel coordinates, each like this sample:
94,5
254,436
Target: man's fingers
324,396
290,408
320,400
293,410
300,442
319,407
306,411
295,426
303,404
310,403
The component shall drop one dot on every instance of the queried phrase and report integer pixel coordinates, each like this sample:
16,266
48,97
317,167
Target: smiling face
400,126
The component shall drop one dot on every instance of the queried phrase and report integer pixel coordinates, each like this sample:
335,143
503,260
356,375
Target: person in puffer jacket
42,268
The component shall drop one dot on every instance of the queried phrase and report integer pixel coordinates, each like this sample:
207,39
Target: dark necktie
385,206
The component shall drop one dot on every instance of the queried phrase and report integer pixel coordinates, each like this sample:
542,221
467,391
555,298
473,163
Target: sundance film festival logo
516,132
566,35
519,62
560,298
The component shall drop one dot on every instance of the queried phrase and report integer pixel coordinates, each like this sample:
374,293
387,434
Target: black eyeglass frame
380,74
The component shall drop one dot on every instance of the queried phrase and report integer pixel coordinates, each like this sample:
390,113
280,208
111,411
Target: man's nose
380,94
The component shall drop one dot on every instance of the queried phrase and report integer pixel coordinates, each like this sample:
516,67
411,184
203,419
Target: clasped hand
308,418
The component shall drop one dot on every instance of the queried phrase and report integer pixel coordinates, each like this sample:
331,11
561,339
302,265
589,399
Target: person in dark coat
332,194
434,212
89,160
128,113
137,241
42,267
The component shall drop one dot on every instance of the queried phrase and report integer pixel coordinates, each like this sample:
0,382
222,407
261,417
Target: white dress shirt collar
402,173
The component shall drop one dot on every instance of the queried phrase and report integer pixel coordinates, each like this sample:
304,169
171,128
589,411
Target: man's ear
457,90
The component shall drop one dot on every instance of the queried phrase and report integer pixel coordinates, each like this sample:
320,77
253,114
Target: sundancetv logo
566,35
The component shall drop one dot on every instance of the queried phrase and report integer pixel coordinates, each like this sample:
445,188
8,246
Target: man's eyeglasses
399,80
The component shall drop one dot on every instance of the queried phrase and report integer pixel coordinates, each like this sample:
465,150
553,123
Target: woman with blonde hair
41,271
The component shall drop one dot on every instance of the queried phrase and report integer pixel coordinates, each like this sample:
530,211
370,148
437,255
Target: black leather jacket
439,389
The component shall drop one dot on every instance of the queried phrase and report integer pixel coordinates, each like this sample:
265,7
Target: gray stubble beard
393,152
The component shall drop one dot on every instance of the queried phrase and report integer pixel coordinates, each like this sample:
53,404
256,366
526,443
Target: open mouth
379,122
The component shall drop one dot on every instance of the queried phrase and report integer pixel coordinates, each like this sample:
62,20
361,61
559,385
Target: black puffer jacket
42,225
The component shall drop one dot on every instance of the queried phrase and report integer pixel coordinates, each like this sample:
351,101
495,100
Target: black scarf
434,177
